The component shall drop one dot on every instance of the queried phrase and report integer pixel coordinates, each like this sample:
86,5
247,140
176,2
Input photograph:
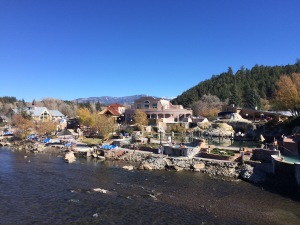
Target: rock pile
211,167
219,129
153,163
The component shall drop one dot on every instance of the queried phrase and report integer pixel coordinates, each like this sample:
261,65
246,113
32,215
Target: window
139,106
146,104
154,105
44,116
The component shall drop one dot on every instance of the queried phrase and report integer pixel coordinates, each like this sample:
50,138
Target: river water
43,189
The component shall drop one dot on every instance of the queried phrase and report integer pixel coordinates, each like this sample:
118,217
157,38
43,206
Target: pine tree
98,106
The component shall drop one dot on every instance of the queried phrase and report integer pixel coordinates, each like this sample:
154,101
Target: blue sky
68,49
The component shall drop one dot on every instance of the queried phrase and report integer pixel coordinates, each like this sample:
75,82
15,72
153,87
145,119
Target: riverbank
90,191
253,172
142,160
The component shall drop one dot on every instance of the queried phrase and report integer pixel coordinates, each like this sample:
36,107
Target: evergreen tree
23,103
234,98
252,99
98,106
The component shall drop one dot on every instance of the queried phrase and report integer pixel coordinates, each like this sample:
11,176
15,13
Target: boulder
239,123
145,166
198,166
246,172
128,167
177,168
70,157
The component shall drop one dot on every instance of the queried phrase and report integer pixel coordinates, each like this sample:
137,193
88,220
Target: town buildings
116,111
158,109
38,113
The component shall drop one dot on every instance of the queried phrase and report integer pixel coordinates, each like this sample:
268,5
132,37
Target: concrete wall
263,155
188,152
285,169
282,167
297,173
289,146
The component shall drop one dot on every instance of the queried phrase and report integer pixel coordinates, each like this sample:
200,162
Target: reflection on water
43,189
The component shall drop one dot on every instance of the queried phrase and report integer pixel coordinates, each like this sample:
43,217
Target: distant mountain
106,100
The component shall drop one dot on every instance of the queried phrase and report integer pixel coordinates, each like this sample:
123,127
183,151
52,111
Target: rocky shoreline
143,160
146,161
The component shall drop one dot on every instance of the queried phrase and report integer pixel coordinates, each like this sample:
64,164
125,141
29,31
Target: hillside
246,86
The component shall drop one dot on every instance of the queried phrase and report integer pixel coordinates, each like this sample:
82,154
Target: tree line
250,88
68,108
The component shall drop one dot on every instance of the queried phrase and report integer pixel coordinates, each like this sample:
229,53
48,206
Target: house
115,110
56,115
158,109
38,113
117,107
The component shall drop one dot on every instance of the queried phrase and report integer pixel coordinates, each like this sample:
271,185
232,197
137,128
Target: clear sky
68,49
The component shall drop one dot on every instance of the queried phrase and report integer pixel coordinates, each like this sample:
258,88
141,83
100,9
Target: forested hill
256,83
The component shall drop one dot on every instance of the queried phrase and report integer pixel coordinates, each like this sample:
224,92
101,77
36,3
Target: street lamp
240,134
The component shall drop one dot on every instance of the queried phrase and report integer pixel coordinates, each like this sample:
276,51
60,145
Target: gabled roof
56,113
37,111
115,105
110,110
33,111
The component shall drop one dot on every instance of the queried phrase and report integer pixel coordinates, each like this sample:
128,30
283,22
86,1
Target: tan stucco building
157,108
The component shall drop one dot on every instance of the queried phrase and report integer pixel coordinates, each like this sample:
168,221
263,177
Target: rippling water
43,189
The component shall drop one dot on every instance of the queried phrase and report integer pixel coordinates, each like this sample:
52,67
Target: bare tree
207,106
104,125
140,117
23,126
46,127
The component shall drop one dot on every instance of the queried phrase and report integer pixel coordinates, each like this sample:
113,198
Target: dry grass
92,141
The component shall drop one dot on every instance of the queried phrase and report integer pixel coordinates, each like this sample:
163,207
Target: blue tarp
46,140
108,147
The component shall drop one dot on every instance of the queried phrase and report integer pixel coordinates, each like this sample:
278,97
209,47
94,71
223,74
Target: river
42,189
